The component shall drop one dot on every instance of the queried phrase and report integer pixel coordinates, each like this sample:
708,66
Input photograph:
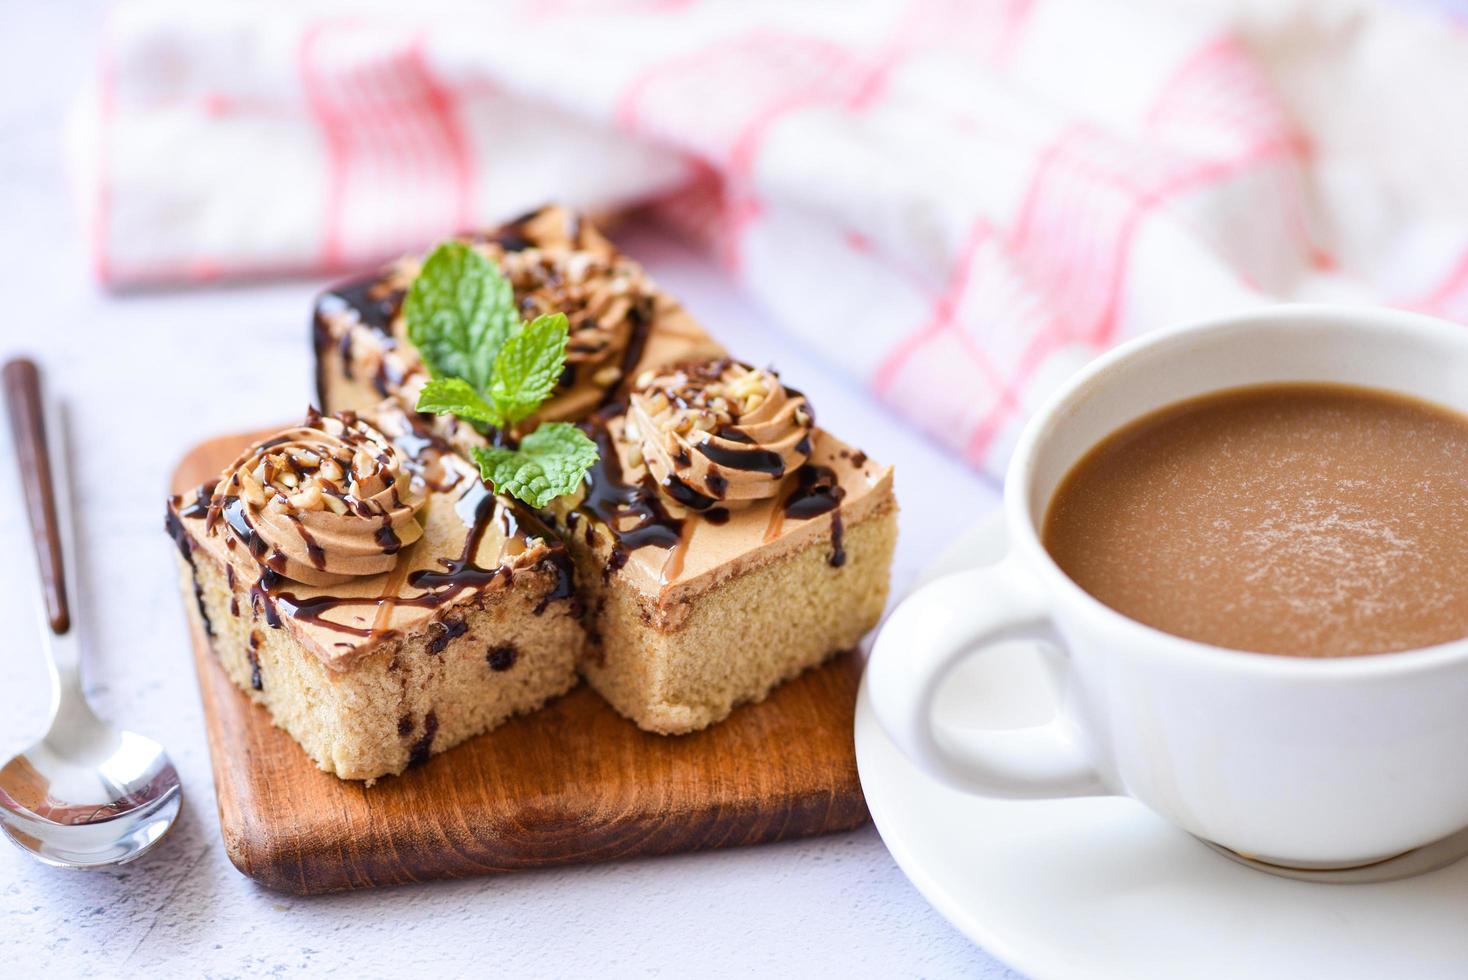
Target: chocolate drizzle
423,449
423,748
749,460
689,497
233,510
262,599
717,430
314,553
374,302
173,522
200,506
511,241
199,600
444,633
320,340
813,490
252,653
613,501
641,318
513,235
475,508
371,302
262,596
313,609
558,562
344,348
175,529
173,517
818,491
459,574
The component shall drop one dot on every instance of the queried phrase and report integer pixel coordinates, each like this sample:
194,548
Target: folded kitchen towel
957,201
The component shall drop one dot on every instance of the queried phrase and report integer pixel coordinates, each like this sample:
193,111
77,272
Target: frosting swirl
724,430
323,502
601,295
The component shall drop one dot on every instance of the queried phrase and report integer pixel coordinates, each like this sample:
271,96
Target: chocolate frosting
320,503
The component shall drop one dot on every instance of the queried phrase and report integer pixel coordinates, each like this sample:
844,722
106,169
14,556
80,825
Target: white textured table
147,375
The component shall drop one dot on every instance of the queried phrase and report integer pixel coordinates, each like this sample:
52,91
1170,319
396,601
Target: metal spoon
86,795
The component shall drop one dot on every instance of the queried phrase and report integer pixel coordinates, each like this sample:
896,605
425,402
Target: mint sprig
548,463
521,375
528,366
489,368
460,311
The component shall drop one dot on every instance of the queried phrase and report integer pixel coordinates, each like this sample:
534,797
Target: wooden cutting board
573,782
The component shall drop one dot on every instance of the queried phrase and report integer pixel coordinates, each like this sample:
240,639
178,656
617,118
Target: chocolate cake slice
723,543
360,581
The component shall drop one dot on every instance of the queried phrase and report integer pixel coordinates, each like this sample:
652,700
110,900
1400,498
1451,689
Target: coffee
1311,520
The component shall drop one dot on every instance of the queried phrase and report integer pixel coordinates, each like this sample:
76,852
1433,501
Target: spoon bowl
86,795
106,804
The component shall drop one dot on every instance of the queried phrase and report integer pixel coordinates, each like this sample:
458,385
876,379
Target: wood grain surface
573,782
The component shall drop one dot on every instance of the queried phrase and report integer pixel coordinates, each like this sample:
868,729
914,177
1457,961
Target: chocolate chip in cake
424,746
501,656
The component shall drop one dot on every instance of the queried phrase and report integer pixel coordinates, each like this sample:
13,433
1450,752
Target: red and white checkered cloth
958,201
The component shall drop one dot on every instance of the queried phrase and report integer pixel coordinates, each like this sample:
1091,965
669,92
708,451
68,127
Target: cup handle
944,622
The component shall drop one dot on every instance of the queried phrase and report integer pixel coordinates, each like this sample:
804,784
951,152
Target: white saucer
1104,888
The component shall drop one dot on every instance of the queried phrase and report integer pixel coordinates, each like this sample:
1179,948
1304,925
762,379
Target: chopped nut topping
602,295
316,498
727,431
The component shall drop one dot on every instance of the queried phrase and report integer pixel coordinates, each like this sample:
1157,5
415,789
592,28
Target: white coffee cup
1295,761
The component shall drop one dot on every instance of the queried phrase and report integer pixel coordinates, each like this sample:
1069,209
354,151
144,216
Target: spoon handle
22,381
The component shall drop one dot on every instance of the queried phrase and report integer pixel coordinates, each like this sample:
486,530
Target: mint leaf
460,311
488,368
528,366
550,462
457,396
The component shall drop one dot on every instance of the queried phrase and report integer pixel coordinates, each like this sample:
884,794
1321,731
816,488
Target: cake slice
723,544
360,581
